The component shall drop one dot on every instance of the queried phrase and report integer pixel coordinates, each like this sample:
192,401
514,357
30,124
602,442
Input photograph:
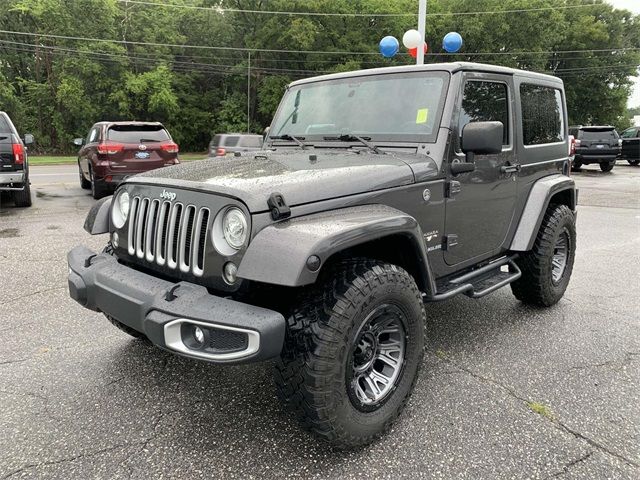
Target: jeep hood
300,176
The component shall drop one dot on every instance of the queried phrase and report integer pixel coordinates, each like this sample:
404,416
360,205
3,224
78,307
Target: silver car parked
230,143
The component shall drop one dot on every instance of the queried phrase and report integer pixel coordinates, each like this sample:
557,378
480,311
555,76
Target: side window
629,133
231,141
542,114
485,101
93,135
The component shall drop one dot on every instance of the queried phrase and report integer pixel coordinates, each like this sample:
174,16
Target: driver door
480,204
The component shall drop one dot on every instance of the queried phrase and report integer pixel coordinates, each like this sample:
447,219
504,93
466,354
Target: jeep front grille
171,235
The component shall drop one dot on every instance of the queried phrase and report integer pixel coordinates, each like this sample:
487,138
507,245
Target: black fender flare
539,197
278,254
97,220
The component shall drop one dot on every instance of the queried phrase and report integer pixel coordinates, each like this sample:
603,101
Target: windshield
391,107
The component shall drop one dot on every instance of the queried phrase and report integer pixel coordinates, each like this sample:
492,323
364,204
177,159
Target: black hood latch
278,206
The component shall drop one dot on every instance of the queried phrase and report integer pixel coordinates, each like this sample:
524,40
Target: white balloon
412,39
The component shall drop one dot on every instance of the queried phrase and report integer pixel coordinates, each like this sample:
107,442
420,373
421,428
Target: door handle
510,168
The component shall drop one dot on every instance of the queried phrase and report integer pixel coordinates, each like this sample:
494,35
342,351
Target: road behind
506,391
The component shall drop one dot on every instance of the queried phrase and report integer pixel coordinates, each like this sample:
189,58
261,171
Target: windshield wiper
352,138
290,138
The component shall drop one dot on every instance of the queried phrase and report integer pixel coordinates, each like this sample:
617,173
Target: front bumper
12,180
165,311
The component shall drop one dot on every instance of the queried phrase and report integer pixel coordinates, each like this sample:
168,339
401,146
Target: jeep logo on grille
171,196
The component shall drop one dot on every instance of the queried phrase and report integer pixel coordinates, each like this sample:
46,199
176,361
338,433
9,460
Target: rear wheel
22,198
352,352
634,163
546,268
576,165
84,183
98,189
607,166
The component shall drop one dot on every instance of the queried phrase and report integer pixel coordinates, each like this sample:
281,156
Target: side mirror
482,138
28,139
78,142
265,133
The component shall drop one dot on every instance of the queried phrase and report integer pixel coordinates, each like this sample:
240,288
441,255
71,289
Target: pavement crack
37,292
619,363
8,362
63,460
568,466
551,418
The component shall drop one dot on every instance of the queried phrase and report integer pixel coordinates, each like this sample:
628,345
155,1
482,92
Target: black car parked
596,144
14,162
631,145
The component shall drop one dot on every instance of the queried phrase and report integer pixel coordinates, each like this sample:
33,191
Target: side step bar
481,281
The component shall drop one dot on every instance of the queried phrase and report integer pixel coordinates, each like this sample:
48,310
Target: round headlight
120,210
234,228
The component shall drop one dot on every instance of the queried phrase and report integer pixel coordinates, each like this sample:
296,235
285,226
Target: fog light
230,273
198,334
115,239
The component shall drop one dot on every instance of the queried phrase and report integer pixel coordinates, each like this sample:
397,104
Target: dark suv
14,162
379,191
113,151
596,144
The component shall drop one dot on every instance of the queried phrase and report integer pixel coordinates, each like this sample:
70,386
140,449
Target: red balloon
414,51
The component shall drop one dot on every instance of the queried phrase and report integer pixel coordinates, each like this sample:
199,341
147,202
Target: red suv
114,151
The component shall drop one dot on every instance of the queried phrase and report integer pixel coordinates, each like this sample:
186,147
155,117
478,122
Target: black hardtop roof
593,127
133,124
435,67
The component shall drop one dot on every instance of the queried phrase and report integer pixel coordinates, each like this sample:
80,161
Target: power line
220,10
247,49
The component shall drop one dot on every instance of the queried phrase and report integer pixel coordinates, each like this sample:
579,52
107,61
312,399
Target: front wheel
607,166
352,352
546,268
84,183
634,163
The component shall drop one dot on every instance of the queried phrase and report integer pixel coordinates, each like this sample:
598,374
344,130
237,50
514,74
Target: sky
634,6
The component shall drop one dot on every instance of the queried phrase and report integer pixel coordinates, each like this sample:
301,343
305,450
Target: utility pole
249,93
422,28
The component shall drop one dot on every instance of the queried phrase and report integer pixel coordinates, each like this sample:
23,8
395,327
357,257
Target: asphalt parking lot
506,391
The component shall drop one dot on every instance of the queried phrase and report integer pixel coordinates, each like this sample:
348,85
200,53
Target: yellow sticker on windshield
422,115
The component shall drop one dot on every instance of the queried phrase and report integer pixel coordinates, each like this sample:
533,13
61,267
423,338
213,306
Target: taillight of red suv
170,147
110,148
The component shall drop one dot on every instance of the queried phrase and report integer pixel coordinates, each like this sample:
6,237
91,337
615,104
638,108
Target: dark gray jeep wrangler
377,192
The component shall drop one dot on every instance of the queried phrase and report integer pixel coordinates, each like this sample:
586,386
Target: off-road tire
607,166
84,183
22,198
98,190
109,250
310,374
536,285
633,163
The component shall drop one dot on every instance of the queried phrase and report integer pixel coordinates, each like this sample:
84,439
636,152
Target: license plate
599,146
142,155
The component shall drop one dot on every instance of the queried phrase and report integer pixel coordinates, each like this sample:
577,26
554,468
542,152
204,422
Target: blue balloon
452,42
389,46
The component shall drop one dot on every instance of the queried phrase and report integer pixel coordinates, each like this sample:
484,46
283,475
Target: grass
72,160
541,409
